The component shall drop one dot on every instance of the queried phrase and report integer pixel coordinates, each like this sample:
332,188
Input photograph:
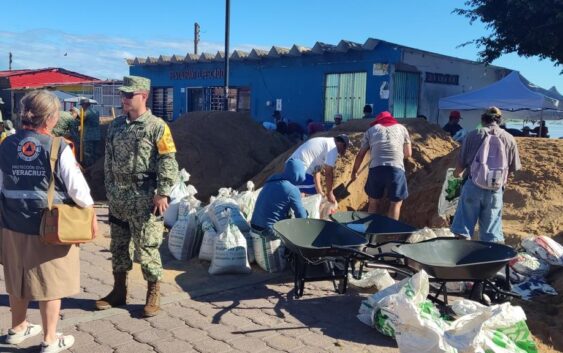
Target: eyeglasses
129,95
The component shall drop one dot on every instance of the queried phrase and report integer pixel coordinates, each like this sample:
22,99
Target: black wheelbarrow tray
444,259
314,246
377,229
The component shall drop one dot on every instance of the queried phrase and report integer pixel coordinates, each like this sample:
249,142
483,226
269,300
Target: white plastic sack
429,233
378,278
247,199
208,243
229,255
269,252
327,208
489,329
545,248
179,191
529,265
445,207
181,234
312,205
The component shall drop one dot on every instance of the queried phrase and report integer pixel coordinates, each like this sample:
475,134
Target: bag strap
53,158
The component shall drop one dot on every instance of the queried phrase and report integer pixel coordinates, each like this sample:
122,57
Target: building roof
51,76
318,48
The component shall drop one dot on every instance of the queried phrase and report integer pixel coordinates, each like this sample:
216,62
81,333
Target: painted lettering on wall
197,74
444,79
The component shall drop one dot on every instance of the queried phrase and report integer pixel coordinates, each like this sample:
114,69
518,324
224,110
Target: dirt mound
432,155
217,148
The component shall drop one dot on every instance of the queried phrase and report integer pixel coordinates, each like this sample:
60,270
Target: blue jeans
479,204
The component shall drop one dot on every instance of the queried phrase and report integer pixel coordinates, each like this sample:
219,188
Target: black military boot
118,295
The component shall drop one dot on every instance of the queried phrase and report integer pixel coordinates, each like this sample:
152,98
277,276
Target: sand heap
217,148
432,155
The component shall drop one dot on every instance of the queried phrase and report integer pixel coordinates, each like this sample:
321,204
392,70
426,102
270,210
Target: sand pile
217,148
432,155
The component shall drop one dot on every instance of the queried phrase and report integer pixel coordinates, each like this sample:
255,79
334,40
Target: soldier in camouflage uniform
66,125
140,170
91,133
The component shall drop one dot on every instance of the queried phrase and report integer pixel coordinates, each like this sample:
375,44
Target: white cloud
100,56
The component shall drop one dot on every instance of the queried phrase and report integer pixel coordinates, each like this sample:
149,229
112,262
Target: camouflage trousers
90,153
136,234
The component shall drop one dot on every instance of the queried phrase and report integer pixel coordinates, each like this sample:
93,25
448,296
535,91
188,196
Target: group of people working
140,170
389,143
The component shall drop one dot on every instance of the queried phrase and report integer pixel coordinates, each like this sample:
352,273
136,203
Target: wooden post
113,111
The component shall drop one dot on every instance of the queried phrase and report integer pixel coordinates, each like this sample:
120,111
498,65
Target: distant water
555,127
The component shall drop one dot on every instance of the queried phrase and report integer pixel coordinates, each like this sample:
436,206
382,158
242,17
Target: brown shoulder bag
64,224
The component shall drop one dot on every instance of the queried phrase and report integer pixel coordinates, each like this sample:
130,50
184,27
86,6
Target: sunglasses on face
129,95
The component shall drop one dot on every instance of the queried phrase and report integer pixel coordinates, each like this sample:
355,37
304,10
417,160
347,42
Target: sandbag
312,205
181,236
545,248
208,242
327,208
179,191
247,199
229,255
269,252
529,265
491,329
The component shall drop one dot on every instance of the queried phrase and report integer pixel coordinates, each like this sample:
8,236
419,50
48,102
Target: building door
345,94
195,100
163,102
406,88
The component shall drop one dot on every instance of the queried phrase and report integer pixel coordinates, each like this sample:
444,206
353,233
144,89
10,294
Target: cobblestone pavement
203,313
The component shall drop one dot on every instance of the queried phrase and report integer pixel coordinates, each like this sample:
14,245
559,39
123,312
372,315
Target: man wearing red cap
390,144
453,124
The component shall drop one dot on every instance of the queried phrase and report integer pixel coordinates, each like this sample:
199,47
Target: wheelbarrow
445,259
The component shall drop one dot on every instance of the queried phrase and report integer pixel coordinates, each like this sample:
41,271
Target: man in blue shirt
278,196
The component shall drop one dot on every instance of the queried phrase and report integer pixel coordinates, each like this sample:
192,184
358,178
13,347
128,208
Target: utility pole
10,61
227,25
196,37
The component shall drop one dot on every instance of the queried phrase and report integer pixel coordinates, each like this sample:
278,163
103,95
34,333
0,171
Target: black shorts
388,178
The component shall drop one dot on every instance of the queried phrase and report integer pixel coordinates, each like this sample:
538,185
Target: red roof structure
19,79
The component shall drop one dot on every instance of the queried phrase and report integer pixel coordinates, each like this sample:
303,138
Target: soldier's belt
133,178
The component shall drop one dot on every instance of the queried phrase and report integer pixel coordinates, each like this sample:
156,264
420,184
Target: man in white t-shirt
317,154
389,143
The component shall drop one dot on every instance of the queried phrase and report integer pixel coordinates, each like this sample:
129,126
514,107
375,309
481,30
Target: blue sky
97,36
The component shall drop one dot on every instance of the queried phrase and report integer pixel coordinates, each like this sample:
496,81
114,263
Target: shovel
341,191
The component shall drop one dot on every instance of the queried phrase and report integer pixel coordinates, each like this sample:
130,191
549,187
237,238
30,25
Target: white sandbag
312,205
179,191
378,278
491,329
180,235
269,252
429,233
545,248
246,200
208,243
229,255
529,265
327,208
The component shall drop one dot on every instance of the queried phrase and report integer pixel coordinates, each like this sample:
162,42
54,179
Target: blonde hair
37,107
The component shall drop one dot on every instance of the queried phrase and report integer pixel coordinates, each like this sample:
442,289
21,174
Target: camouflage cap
135,84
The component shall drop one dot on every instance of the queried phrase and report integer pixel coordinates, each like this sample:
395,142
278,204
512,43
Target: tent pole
541,120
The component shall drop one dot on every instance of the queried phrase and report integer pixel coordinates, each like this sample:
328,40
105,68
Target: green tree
527,27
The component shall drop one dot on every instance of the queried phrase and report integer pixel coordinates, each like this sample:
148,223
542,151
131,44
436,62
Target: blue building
312,83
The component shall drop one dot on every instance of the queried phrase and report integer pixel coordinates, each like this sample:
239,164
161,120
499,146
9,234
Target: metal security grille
212,99
406,86
345,94
163,102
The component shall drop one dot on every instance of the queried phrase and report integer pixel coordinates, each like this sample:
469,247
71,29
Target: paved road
203,313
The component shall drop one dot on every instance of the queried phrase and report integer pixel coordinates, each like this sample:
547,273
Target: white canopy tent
512,93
